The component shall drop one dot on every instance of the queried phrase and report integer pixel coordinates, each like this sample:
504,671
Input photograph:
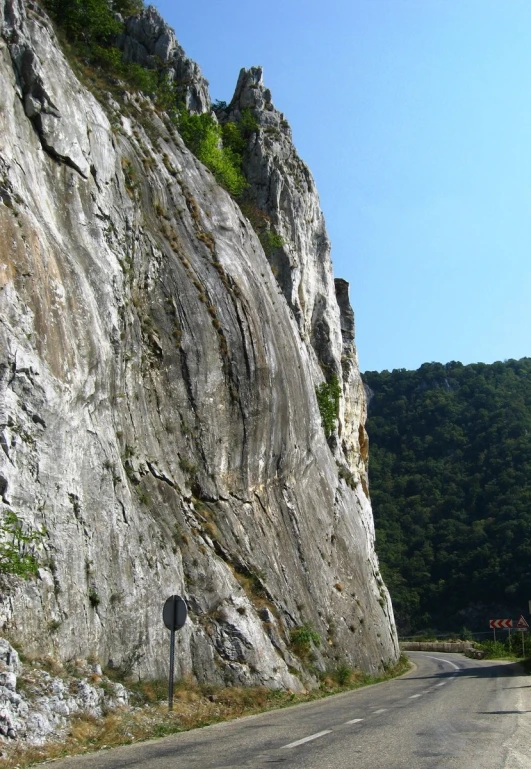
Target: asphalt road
450,712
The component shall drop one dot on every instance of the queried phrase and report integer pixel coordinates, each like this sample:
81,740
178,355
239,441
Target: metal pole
494,631
523,646
509,640
172,656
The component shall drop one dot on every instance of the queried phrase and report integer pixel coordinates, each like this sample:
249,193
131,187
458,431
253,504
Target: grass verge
194,706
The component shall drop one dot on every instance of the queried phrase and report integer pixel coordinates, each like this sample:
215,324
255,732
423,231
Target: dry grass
194,706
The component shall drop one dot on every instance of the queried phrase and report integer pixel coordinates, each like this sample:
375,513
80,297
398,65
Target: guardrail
463,647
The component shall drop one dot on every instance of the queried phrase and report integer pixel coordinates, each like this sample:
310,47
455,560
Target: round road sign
174,612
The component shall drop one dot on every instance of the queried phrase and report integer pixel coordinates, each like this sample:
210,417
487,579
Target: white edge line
439,659
307,739
413,696
354,721
380,710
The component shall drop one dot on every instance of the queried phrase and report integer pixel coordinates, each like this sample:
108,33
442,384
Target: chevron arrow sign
500,623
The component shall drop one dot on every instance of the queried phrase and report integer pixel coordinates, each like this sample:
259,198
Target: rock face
157,387
150,42
284,201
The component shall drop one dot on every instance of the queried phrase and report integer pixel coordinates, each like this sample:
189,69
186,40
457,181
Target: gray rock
8,681
9,659
149,41
283,190
43,709
157,396
71,127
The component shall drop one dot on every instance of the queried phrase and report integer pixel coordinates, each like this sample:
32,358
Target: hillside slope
450,477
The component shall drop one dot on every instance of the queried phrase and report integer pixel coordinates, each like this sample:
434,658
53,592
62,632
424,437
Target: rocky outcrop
41,708
150,42
157,391
282,187
282,201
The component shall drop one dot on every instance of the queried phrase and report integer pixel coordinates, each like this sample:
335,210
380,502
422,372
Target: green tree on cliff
91,20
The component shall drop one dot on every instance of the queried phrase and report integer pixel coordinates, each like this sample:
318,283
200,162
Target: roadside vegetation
194,706
508,648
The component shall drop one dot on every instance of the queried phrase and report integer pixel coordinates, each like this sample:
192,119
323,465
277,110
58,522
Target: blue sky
414,117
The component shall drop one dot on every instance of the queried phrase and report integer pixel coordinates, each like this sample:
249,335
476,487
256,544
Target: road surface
450,712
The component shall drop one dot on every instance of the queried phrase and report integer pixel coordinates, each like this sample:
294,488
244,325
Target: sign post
174,615
500,623
523,626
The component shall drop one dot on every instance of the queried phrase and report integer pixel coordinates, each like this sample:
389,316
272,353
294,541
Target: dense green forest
450,481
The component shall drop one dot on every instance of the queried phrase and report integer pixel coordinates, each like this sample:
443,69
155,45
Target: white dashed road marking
307,739
375,712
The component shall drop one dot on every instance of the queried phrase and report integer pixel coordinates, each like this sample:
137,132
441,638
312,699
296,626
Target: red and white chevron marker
500,623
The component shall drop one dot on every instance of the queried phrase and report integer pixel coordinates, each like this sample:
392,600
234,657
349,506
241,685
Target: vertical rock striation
283,200
157,386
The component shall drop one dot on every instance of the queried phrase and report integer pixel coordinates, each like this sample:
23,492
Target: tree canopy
91,20
450,481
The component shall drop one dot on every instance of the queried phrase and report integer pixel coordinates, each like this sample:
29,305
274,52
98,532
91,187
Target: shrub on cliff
303,638
17,547
328,394
204,137
90,20
92,27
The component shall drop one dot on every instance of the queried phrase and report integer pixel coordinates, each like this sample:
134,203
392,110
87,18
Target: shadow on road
502,712
492,670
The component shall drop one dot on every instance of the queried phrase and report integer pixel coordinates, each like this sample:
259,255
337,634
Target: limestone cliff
157,384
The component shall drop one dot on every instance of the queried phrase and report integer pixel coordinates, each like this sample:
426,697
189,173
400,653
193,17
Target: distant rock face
150,42
157,388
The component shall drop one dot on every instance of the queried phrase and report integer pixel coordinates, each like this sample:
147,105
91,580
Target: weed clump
303,638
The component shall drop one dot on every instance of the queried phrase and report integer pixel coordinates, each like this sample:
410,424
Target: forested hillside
450,481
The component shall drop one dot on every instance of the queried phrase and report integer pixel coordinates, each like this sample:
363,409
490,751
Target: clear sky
414,117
